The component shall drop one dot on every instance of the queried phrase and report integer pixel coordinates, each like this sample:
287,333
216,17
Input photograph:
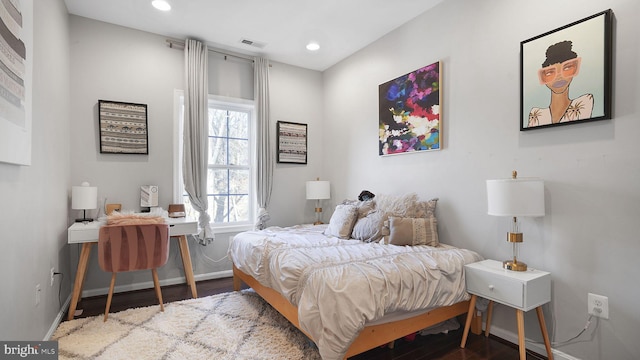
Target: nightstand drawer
500,289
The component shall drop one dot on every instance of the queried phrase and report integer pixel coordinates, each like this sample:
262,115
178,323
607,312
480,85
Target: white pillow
342,221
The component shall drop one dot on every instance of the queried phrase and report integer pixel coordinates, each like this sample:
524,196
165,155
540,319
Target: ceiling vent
253,43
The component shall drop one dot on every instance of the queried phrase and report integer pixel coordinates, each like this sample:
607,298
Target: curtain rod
179,45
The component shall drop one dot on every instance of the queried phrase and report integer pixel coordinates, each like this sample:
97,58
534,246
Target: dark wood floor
431,347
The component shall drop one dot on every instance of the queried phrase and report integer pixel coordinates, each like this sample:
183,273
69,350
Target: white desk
87,235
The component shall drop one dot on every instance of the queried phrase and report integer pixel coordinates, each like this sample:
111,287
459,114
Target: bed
350,287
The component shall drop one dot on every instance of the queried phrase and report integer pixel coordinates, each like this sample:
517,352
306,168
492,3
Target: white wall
588,239
296,96
116,63
35,198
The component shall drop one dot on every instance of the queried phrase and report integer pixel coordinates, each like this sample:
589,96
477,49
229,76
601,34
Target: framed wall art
16,82
292,142
565,74
409,112
123,127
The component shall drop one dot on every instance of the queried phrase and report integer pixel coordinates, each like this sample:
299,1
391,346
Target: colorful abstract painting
409,112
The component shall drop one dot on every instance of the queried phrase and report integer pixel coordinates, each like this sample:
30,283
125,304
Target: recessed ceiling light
161,5
313,46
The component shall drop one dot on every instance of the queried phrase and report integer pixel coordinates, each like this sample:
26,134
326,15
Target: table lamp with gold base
515,197
318,190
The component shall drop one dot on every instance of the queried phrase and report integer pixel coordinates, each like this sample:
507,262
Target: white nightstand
521,290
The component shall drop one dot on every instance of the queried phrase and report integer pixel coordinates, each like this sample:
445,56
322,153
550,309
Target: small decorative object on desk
148,197
112,207
176,211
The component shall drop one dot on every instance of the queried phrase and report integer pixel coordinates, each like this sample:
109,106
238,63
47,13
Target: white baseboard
149,284
58,319
531,345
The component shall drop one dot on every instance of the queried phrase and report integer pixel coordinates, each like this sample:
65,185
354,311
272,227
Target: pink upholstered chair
133,247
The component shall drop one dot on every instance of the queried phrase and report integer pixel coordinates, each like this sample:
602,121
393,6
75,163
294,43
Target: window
230,175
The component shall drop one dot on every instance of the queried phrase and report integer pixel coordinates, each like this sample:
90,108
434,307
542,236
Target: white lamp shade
318,190
84,197
515,197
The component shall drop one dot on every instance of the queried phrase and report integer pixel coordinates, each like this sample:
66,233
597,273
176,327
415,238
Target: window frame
178,188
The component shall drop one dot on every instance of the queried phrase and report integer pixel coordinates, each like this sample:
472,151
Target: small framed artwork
123,128
565,74
149,195
409,112
292,142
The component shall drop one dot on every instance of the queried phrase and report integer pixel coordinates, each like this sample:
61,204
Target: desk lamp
318,190
515,197
84,197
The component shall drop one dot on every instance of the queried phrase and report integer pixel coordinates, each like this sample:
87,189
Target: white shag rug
233,326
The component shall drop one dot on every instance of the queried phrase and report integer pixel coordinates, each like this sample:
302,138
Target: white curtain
196,132
265,152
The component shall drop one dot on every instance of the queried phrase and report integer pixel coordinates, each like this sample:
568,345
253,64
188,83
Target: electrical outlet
52,273
598,305
38,290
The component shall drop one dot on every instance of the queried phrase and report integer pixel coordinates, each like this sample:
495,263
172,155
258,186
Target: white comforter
340,285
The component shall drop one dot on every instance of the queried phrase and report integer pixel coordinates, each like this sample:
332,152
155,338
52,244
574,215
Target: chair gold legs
156,284
110,296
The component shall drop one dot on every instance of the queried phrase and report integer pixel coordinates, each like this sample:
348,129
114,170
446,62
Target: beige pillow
369,227
364,207
413,231
342,221
402,205
425,209
407,205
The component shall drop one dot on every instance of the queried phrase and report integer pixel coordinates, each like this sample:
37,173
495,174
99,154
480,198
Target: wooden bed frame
371,336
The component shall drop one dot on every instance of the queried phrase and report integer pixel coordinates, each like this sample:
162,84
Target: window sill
231,228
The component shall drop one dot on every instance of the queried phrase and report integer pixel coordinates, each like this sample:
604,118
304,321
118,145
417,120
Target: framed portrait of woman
565,74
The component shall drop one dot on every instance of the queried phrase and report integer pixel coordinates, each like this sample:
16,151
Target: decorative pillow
117,218
425,209
402,206
364,207
413,231
369,227
407,205
342,221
